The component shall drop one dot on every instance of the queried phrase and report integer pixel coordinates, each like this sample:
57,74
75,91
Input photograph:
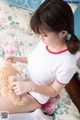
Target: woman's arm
51,91
22,59
15,59
27,86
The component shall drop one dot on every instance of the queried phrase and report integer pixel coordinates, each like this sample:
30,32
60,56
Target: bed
16,38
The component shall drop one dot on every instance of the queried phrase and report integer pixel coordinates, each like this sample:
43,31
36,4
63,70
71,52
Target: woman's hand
13,59
22,87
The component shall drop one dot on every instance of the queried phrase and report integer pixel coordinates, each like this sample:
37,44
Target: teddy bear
8,74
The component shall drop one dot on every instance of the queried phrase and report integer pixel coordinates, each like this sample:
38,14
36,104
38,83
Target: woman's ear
63,34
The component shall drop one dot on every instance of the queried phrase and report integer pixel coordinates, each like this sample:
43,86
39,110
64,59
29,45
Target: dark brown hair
56,15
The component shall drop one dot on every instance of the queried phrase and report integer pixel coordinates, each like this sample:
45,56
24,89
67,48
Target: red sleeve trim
53,88
60,82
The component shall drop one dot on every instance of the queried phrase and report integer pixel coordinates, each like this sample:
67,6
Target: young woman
52,64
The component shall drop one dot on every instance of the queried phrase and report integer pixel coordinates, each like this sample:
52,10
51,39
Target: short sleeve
66,72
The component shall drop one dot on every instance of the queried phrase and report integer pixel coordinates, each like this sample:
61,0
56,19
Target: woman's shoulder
68,59
68,56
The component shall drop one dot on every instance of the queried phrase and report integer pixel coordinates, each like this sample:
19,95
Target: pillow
15,14
34,4
27,4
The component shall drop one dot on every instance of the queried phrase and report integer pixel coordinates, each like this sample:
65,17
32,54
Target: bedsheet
16,38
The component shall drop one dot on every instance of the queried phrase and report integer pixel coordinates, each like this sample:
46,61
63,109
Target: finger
14,87
17,91
8,58
15,83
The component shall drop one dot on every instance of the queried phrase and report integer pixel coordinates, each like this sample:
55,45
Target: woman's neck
57,48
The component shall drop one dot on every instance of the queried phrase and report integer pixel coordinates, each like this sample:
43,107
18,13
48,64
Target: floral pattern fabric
16,38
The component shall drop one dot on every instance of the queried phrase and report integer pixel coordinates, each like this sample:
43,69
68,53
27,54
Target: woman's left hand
22,87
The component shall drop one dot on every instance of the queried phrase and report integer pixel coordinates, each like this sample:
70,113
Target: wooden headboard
73,89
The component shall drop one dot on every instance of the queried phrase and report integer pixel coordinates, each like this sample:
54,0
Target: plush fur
8,74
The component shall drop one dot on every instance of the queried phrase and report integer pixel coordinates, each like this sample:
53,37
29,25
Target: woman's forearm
23,59
47,91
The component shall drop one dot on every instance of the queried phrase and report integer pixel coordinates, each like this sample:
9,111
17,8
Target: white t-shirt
45,66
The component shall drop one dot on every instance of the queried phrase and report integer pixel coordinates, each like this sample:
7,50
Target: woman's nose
42,38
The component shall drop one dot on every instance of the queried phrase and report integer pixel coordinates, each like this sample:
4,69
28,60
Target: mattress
16,38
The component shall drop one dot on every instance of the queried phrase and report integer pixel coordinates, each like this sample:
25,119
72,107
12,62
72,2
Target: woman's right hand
13,59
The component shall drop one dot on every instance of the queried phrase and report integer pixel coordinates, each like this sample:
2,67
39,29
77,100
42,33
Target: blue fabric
27,4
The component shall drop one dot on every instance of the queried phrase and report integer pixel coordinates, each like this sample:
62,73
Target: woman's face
49,38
